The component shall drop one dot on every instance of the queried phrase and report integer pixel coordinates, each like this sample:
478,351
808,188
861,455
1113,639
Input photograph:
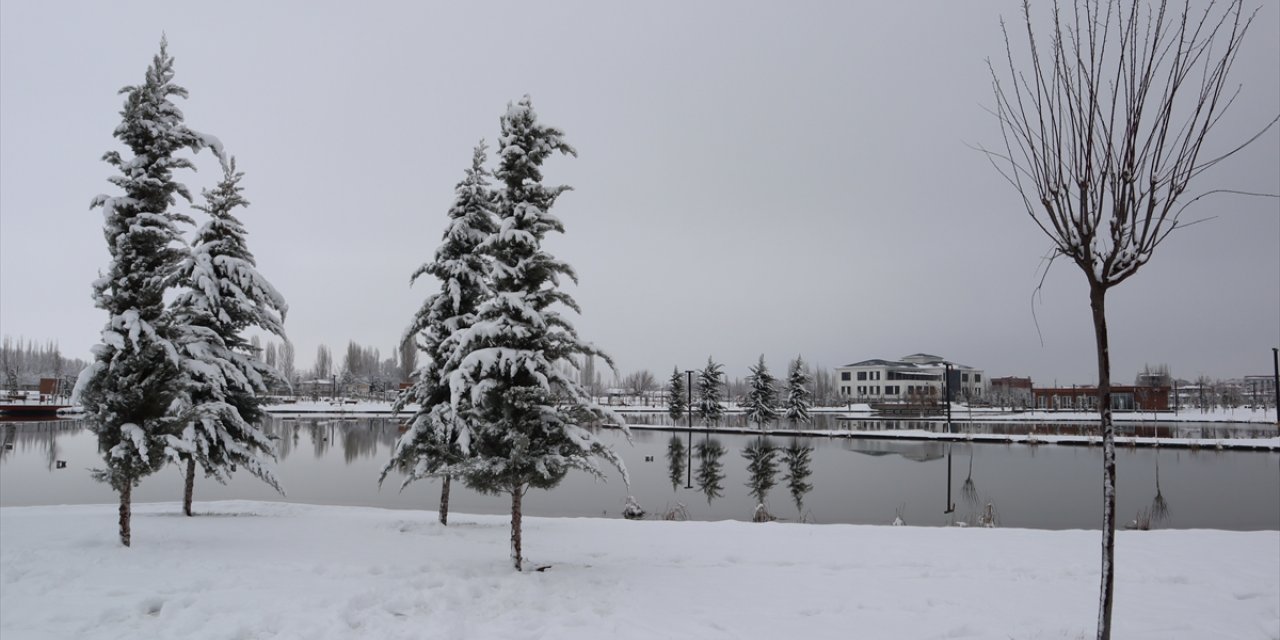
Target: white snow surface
243,569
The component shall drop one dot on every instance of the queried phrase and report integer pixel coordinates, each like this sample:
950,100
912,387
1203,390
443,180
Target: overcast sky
776,178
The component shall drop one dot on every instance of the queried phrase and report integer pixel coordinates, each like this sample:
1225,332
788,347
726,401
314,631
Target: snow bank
273,570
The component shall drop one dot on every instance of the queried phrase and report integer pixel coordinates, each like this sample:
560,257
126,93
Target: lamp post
688,411
1275,379
948,386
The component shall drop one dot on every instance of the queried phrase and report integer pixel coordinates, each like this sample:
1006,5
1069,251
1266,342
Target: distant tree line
23,363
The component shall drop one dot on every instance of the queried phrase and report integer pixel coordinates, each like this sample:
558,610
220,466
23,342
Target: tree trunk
190,487
517,494
126,495
444,501
1097,298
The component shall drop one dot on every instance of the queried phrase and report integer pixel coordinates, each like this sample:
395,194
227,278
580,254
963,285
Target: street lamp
1275,379
688,412
947,365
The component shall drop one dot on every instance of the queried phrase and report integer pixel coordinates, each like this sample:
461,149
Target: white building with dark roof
919,376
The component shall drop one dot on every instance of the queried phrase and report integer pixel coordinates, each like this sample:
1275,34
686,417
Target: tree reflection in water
797,459
675,461
710,470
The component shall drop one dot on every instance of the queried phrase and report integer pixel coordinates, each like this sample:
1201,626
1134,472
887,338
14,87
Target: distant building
1086,398
913,377
1258,391
1011,391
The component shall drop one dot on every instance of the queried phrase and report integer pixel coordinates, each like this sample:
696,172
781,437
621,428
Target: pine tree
223,296
798,403
127,391
762,399
438,437
710,380
514,365
677,400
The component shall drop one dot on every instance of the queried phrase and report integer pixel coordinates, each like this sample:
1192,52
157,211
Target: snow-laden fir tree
437,439
796,406
127,391
222,296
762,396
525,412
710,379
677,395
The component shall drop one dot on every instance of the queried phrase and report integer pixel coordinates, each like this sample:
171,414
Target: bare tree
1103,127
640,384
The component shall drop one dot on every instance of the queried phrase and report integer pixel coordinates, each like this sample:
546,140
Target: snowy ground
273,570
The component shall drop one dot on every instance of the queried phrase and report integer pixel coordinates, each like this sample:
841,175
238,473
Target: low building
1011,391
1123,398
917,377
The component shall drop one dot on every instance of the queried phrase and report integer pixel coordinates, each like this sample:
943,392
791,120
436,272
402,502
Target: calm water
1146,429
327,461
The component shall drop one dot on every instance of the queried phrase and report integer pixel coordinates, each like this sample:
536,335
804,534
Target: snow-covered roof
914,361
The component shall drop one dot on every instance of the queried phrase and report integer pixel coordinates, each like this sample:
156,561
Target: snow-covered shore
273,570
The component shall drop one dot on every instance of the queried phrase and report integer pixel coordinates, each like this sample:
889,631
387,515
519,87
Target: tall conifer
514,377
128,390
438,437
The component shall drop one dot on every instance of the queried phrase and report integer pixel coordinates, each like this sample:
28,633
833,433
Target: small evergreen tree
677,397
127,391
796,408
438,435
223,295
514,375
762,398
710,380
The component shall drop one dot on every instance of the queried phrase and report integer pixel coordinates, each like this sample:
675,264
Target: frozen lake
867,481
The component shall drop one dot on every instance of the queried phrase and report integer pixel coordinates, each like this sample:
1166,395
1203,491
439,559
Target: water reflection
1144,429
867,481
968,489
1159,506
675,461
762,471
797,458
710,476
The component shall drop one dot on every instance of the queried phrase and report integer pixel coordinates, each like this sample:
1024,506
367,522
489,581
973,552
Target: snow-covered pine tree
128,389
222,296
437,438
524,410
796,406
677,396
710,380
762,398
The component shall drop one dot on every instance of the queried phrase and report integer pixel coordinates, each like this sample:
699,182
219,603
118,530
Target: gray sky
785,178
